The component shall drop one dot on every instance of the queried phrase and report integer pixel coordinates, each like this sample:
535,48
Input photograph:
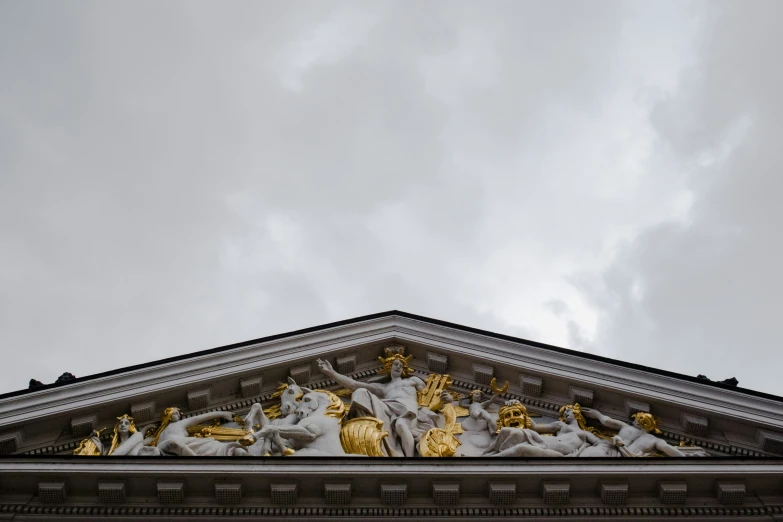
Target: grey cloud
180,176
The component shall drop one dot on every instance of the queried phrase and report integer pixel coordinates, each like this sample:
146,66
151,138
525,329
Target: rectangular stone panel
730,493
770,442
394,494
581,396
556,493
250,387
337,493
694,424
228,493
10,442
502,493
199,399
142,412
673,492
301,374
531,385
111,492
437,363
83,425
51,492
445,493
614,494
346,364
632,407
171,492
283,494
483,374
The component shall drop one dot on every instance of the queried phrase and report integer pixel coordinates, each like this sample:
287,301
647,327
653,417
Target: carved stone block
445,493
730,493
581,396
394,494
228,494
770,442
694,425
51,492
346,364
283,494
171,492
556,493
502,493
437,363
301,374
483,374
111,492
250,387
614,494
337,493
199,399
632,407
10,442
83,426
673,492
143,412
531,385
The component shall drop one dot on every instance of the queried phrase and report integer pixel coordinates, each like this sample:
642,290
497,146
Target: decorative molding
581,396
337,493
694,424
199,399
632,407
111,492
10,442
730,493
346,364
250,387
83,426
614,494
502,493
143,411
301,373
170,492
228,493
483,373
445,493
437,362
394,494
531,385
283,494
556,493
673,492
51,492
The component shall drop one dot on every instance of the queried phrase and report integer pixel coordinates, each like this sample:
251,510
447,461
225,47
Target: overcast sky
182,175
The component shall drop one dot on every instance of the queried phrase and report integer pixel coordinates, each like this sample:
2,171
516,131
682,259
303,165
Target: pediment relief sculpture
394,414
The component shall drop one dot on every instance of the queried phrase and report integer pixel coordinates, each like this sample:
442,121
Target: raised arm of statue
204,417
351,384
603,419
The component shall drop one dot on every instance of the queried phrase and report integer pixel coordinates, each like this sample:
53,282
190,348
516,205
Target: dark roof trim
409,316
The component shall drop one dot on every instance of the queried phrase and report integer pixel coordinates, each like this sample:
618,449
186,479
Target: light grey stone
300,373
394,494
51,492
346,363
673,492
730,493
770,442
694,424
283,494
10,442
531,385
581,396
437,363
171,492
228,493
614,494
337,493
199,399
111,492
83,425
632,407
445,493
250,387
502,493
556,493
143,411
483,374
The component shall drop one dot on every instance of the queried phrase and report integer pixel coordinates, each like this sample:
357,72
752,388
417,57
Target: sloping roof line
409,316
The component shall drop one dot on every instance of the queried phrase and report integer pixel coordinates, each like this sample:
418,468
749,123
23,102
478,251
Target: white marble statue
172,437
127,440
637,439
519,436
394,402
256,420
478,409
317,430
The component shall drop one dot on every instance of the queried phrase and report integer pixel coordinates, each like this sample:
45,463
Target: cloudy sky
595,175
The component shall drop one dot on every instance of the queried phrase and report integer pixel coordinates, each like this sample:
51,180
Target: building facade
387,416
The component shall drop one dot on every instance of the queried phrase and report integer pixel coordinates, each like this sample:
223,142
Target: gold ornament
87,447
364,436
513,415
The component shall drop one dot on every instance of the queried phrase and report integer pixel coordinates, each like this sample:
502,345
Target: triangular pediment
721,419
